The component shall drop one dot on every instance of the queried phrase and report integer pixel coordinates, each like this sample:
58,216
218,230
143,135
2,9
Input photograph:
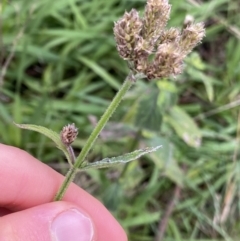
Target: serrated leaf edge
108,162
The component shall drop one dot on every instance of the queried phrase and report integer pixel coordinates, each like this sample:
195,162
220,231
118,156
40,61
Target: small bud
189,19
126,31
169,36
168,61
141,55
69,134
156,15
191,36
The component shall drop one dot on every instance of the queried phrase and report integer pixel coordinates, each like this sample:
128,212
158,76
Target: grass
64,68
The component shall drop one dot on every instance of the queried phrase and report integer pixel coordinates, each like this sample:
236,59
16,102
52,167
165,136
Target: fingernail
72,225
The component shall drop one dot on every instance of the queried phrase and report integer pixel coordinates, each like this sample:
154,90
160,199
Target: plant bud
191,36
69,134
156,15
126,31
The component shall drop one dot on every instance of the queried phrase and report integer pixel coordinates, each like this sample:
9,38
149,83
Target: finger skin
33,224
26,182
4,211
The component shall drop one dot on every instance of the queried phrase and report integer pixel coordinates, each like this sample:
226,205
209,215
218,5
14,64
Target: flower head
150,48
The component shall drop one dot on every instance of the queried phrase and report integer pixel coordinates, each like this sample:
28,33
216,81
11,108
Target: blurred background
59,65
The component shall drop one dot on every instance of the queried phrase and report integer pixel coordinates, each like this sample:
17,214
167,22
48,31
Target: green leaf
54,136
184,126
100,71
198,75
142,218
109,162
149,116
165,160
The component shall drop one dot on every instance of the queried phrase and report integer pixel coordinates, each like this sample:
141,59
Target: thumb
58,221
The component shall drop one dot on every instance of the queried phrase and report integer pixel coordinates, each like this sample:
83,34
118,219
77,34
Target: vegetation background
59,65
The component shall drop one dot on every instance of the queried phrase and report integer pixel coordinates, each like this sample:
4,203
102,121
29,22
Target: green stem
92,138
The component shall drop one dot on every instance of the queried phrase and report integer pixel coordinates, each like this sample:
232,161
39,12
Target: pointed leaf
54,136
184,126
165,160
109,162
195,70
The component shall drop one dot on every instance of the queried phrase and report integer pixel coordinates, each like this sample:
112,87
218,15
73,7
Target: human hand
27,212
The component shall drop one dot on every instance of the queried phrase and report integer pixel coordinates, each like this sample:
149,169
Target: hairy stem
92,138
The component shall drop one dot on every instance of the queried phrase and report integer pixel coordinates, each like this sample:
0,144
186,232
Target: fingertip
58,221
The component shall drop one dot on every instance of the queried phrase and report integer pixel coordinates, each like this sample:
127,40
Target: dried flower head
171,35
191,36
69,134
167,61
126,32
151,49
156,15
